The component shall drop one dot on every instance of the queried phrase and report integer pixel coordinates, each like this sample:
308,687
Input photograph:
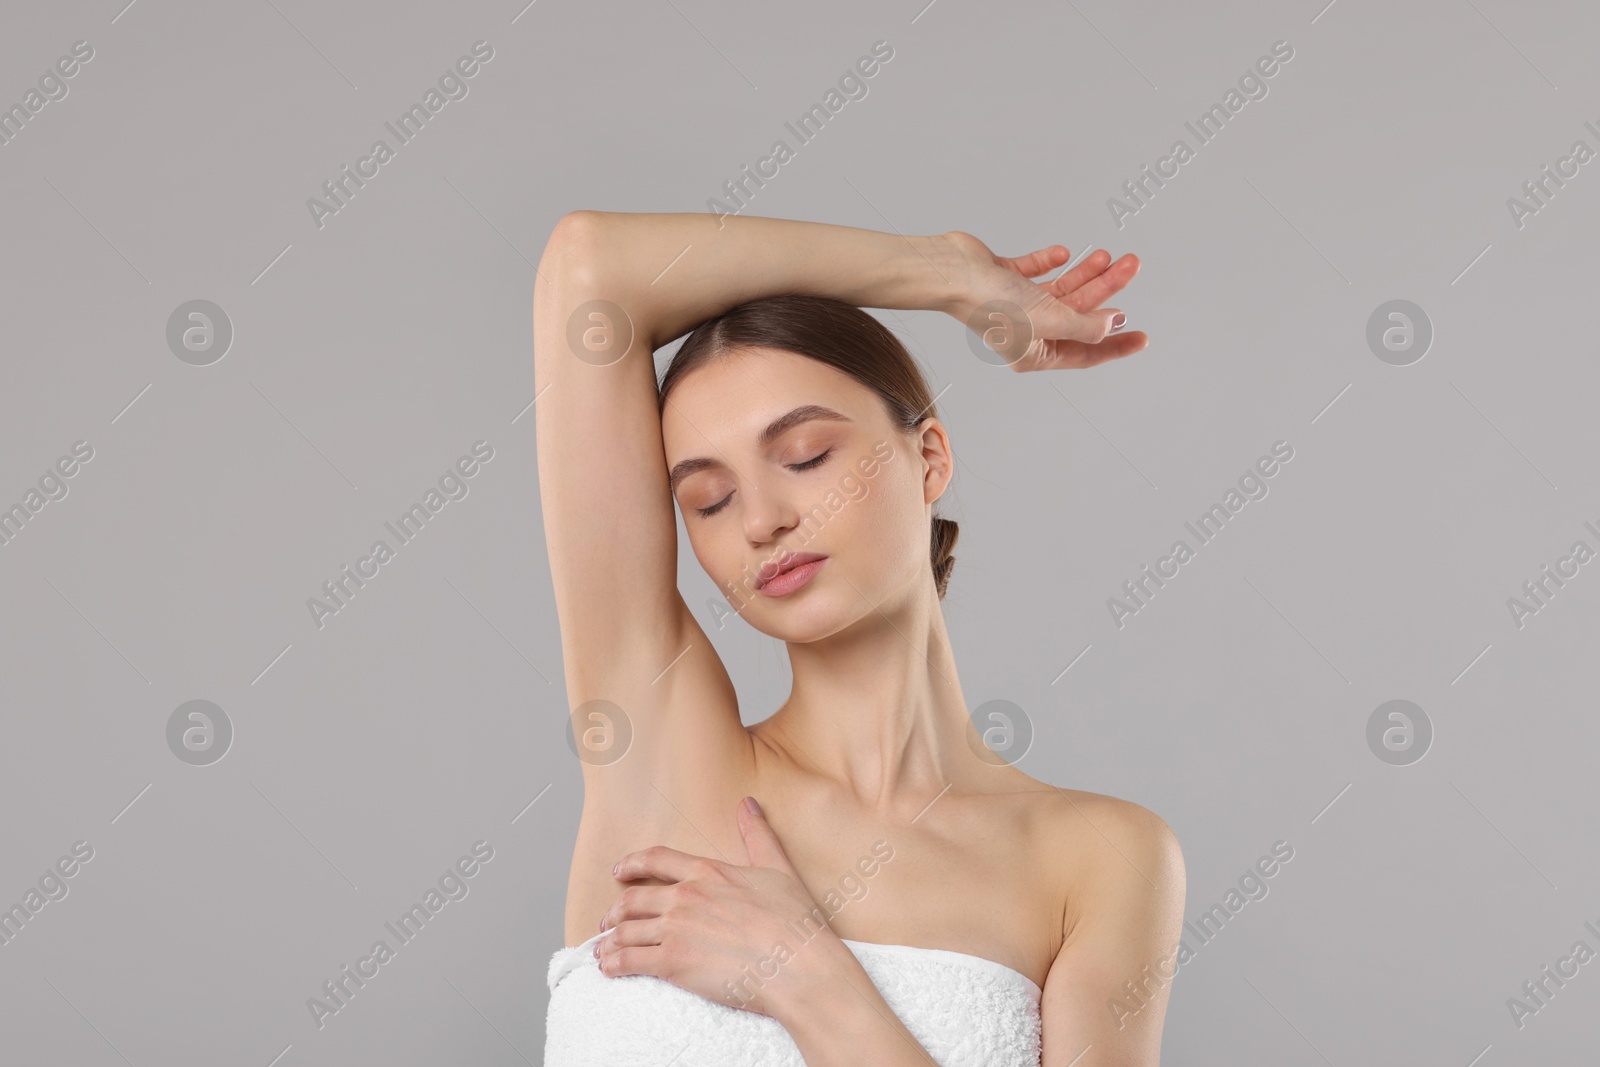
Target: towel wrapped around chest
967,1011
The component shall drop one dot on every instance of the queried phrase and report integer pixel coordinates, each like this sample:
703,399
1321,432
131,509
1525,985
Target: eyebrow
775,429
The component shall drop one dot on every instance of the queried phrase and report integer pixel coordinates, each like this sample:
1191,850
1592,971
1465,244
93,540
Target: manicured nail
597,952
1118,321
616,867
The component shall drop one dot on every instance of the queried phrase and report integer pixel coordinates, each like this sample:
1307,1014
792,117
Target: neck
877,708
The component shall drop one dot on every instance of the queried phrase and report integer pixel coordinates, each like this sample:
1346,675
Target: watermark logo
52,87
849,489
1538,991
1399,332
1002,732
999,332
599,332
1252,486
1539,591
1399,732
1541,190
605,733
452,886
852,85
1252,85
52,486
199,732
199,332
341,189
453,485
52,887
1252,886
852,886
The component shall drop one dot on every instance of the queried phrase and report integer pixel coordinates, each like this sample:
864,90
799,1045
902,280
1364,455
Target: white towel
967,1011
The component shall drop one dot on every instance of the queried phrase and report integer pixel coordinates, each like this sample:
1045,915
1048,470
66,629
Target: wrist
815,975
922,273
946,274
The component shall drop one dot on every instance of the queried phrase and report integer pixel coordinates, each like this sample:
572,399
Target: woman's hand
714,929
1042,325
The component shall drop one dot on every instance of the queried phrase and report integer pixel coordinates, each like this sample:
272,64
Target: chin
806,615
818,619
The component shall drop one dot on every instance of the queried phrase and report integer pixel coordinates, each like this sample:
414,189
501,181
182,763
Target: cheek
712,557
887,526
722,555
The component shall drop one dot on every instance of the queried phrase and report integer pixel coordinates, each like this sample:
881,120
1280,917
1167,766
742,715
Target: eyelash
706,513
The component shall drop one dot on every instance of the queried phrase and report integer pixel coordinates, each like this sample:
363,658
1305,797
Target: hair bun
945,532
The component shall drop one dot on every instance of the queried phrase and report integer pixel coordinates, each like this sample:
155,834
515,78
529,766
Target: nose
768,513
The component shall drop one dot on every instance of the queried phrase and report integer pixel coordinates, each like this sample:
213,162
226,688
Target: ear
938,461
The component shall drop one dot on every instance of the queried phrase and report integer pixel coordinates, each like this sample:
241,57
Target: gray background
428,714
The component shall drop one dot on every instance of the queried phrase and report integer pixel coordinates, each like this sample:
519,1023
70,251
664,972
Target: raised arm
674,270
611,288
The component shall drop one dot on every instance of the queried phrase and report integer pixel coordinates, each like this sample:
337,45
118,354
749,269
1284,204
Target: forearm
673,270
843,1021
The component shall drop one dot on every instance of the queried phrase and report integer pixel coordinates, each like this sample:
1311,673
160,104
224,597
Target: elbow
574,247
577,231
576,225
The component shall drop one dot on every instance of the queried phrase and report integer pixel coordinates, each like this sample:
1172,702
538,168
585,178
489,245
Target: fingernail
1118,321
602,929
752,806
597,952
616,867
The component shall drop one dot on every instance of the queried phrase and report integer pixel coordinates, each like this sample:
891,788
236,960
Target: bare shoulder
1115,850
1123,888
1073,813
1125,821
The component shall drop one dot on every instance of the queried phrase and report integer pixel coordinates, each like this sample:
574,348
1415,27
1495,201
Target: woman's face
761,469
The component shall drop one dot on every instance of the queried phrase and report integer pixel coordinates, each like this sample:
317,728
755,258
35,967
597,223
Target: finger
1095,279
1036,263
1019,335
1087,268
1057,320
761,840
632,933
661,861
1057,355
1085,289
633,959
637,902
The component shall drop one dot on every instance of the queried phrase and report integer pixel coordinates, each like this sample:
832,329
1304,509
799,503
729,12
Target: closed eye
815,461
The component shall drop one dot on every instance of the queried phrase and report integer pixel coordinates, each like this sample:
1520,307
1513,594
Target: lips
786,562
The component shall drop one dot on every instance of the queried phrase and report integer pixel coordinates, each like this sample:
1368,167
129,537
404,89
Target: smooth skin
883,812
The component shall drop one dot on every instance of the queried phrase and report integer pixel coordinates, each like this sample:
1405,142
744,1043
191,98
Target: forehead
736,396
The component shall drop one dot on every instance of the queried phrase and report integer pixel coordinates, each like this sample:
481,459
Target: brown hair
845,338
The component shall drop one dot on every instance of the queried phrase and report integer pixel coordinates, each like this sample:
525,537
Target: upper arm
610,529
1108,987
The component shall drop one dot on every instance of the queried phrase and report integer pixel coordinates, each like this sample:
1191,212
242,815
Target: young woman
900,894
